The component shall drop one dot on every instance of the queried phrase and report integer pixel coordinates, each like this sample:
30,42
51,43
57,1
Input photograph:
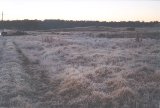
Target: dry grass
154,77
97,99
48,39
125,96
142,73
155,51
124,93
116,83
72,87
99,72
103,72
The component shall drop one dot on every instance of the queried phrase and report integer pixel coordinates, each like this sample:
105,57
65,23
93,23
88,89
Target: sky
95,10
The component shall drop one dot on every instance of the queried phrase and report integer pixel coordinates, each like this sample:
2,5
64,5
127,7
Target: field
81,68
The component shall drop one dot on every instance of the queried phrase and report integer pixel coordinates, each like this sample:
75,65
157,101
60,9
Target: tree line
56,24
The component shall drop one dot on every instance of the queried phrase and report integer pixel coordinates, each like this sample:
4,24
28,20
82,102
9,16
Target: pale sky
102,10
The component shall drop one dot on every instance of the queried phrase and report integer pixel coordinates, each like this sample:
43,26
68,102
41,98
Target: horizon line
79,20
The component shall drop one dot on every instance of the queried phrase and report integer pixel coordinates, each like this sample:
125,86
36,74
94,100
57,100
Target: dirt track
21,85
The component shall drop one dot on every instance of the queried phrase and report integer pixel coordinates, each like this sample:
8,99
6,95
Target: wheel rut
23,84
39,82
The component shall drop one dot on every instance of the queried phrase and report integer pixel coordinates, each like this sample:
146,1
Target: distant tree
54,24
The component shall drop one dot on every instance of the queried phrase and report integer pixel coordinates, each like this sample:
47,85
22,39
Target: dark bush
3,33
130,29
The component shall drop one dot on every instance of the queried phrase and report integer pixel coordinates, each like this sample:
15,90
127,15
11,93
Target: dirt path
12,82
22,83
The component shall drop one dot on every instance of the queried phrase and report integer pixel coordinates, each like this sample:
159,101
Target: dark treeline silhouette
55,24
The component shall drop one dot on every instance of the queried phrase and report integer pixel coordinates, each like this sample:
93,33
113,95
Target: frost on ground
78,69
